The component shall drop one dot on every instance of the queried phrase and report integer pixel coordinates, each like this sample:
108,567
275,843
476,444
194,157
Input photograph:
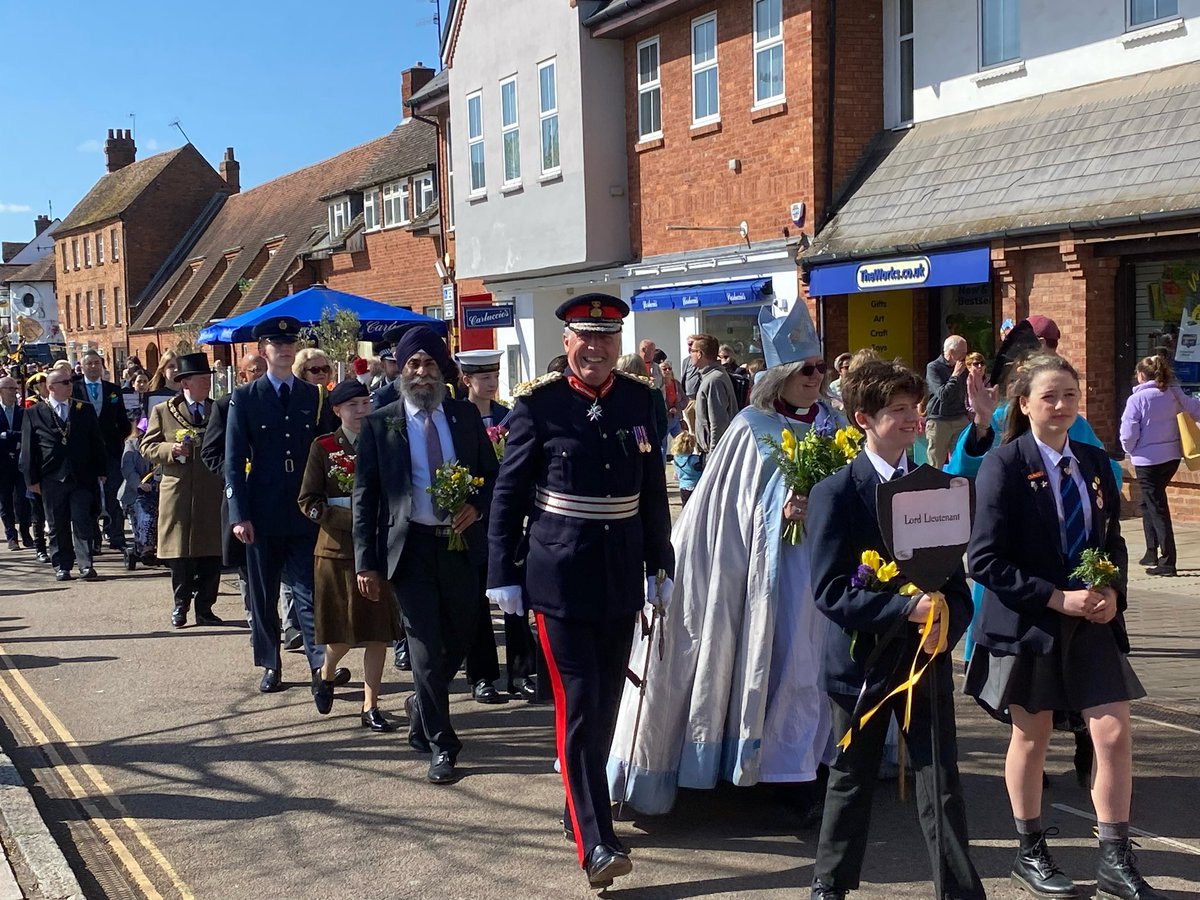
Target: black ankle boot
1034,869
1118,877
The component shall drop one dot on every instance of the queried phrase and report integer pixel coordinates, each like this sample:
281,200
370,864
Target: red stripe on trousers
560,725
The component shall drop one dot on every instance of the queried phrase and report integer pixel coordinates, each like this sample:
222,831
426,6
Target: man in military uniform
582,463
272,423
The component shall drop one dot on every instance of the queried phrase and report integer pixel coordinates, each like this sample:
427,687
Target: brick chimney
119,149
231,171
411,81
40,224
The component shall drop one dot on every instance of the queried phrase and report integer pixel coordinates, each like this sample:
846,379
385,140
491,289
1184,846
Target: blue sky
284,84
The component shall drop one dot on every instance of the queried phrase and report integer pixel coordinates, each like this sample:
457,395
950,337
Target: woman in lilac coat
1150,435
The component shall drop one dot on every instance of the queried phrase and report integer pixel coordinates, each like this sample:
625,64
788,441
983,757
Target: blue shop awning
718,293
939,268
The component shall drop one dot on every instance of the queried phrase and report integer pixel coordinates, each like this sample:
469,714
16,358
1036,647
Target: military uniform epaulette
641,379
328,442
528,387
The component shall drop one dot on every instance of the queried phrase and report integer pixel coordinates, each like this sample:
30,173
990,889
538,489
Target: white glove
653,596
508,598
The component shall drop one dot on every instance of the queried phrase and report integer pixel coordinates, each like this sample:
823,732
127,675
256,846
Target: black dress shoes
89,574
322,692
569,835
209,619
1149,559
485,692
604,864
14,544
43,556
1035,871
270,681
1118,878
293,639
62,575
822,892
525,688
341,676
401,660
372,718
442,771
1162,569
179,617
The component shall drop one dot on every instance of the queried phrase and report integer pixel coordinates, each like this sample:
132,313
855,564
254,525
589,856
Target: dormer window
339,216
424,195
371,210
395,203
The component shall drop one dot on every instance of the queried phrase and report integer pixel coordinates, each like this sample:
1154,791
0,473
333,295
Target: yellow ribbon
938,609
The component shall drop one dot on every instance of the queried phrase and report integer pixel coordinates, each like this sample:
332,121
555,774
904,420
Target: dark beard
427,397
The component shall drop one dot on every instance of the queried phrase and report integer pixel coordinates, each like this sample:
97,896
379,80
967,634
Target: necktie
94,391
62,411
1074,524
197,414
433,452
285,393
897,475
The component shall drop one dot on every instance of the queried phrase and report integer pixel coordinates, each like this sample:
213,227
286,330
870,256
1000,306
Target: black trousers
198,578
437,590
114,529
586,662
270,560
520,650
37,513
68,506
853,776
1156,513
14,506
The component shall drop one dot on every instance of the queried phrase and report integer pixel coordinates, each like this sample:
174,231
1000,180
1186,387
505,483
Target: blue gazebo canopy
307,305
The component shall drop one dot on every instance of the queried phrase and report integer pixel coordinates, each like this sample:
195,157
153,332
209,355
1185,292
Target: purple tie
433,453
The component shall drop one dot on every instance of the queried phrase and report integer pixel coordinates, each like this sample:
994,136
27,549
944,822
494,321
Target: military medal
594,411
642,438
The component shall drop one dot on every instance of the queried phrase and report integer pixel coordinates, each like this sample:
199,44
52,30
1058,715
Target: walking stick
640,682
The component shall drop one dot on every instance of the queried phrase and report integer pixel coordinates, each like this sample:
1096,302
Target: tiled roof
42,270
409,149
113,193
288,210
9,249
426,218
1125,149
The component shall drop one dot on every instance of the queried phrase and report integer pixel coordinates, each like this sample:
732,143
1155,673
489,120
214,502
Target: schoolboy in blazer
881,398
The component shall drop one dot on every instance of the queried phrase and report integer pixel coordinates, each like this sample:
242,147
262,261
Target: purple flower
826,429
862,577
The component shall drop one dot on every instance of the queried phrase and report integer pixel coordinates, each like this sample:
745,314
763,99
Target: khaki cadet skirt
343,615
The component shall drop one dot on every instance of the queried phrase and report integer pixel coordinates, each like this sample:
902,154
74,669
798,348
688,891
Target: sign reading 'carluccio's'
893,273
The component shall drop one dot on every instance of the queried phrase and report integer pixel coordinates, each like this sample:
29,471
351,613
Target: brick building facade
118,236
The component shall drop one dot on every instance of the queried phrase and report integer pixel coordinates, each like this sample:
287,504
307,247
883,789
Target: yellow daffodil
873,559
887,572
788,442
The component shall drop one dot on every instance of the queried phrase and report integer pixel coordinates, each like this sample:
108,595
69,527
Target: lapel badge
1037,480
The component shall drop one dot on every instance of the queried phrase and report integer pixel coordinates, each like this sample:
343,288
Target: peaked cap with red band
594,312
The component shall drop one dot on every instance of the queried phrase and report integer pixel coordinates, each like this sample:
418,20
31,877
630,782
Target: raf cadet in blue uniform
582,464
272,424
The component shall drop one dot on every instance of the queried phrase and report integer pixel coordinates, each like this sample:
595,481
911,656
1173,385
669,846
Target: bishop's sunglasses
809,368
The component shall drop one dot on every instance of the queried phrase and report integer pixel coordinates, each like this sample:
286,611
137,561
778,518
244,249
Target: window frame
704,68
114,244
760,47
338,209
66,262
544,116
396,191
100,249
372,207
1130,25
75,254
476,139
902,38
91,310
78,311
651,86
117,305
448,207
87,251
510,128
1007,60
102,307
423,184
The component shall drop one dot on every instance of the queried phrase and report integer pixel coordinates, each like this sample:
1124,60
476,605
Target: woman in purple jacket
1150,435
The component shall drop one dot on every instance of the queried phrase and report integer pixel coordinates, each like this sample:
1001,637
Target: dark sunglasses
320,370
809,368
976,365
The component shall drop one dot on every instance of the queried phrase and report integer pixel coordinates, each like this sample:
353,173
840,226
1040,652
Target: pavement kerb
39,850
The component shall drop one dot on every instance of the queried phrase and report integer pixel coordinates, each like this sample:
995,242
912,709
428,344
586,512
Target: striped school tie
1074,525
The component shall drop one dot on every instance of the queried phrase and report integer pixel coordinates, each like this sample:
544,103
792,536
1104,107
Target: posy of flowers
453,485
1096,570
498,435
811,459
341,470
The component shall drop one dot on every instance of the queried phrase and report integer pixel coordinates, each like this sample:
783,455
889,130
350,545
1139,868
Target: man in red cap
582,465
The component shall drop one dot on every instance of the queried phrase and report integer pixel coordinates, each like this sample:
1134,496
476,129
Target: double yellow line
17,690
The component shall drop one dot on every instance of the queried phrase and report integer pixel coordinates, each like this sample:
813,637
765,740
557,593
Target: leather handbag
1189,439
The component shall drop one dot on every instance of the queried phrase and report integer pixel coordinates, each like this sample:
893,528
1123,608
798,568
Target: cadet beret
593,312
284,329
347,390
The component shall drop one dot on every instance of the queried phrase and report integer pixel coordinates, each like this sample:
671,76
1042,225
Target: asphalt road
209,789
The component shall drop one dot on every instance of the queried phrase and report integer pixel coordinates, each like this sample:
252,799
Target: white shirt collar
885,469
413,411
90,381
1052,457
